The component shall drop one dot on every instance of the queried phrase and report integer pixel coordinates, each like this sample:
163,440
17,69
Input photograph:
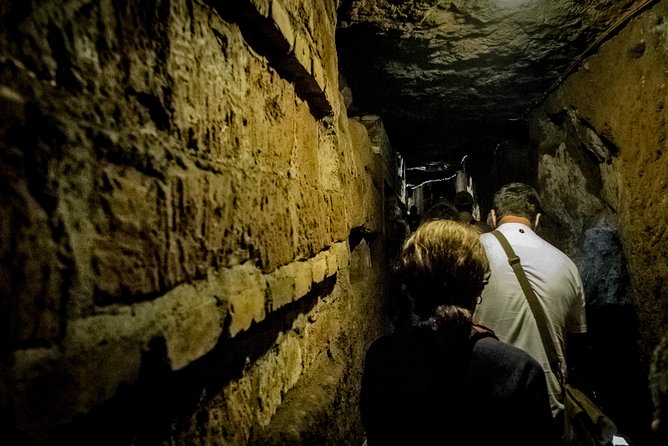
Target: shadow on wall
147,412
612,365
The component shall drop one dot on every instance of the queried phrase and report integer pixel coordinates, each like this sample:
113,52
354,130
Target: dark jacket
419,387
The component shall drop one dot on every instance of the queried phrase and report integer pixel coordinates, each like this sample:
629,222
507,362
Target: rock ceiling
455,77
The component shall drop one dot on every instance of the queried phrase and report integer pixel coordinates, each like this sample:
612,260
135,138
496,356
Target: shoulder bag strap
534,305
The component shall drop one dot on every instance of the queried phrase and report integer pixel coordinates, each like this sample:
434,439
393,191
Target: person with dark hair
464,205
552,275
413,218
441,210
444,380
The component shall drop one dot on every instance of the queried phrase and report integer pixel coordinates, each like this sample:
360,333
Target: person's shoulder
400,343
384,342
487,237
379,353
556,255
508,362
499,349
482,227
550,252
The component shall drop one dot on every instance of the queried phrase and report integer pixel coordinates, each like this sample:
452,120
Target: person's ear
535,225
493,218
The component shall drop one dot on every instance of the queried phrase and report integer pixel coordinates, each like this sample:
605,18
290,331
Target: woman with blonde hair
444,380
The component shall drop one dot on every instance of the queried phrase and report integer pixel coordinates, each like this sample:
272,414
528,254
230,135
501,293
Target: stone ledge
101,353
269,28
293,281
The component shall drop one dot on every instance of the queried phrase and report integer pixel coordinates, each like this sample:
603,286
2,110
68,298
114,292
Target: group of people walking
473,368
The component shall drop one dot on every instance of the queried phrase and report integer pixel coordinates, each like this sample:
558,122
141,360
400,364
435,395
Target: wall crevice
269,39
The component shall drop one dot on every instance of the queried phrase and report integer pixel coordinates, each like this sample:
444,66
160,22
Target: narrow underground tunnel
202,201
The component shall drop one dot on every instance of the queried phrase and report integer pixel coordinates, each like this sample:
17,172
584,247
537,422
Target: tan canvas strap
534,305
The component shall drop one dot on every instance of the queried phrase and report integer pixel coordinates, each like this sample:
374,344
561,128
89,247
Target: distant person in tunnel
658,382
413,218
464,205
444,380
441,210
552,275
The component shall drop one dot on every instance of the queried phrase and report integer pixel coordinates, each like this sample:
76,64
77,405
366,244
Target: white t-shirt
557,284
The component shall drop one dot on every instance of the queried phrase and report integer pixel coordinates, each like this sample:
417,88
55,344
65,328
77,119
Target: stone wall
603,176
192,228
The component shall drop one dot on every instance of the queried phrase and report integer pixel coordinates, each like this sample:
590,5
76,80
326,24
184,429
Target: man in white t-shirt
553,276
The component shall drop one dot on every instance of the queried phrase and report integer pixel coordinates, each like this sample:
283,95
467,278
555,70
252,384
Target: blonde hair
443,263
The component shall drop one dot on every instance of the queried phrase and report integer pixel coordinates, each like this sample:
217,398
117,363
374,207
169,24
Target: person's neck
515,219
465,216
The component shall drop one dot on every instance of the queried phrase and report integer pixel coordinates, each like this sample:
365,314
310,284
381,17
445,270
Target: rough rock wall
603,161
179,186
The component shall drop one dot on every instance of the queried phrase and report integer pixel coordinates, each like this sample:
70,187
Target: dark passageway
470,86
201,199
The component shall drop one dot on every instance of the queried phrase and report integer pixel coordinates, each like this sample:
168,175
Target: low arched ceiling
454,77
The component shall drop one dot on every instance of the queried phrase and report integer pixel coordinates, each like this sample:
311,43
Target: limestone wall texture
603,163
180,184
